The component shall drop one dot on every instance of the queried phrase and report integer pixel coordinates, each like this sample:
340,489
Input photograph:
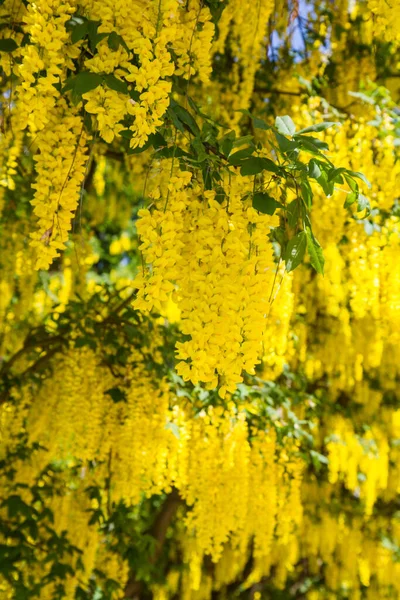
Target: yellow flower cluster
249,495
110,107
60,166
44,61
149,444
11,12
386,14
194,42
354,458
356,304
133,48
350,548
226,279
137,24
243,28
17,285
205,253
160,232
225,469
148,31
217,260
10,149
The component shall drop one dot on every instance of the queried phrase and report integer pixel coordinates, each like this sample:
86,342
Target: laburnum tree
199,299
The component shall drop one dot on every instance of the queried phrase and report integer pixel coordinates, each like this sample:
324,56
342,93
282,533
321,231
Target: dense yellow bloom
265,492
37,93
218,262
110,107
61,166
387,14
243,27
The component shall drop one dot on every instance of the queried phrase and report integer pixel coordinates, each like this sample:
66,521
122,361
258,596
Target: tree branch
159,532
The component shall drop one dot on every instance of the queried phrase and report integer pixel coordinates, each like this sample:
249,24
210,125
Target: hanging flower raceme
117,68
217,260
61,165
386,14
44,60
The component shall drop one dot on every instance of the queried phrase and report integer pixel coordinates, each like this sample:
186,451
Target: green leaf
127,134
285,125
326,185
198,147
8,45
295,251
94,37
312,143
134,94
317,170
220,194
353,185
116,84
83,82
293,213
286,145
16,505
265,203
237,158
260,124
319,127
86,340
209,133
117,394
185,117
226,143
315,251
269,165
26,40
309,147
32,527
257,164
157,140
363,204
170,152
252,166
306,193
79,32
175,121
336,174
122,42
360,176
244,139
350,199
318,459
314,170
87,121
60,570
113,40
207,177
